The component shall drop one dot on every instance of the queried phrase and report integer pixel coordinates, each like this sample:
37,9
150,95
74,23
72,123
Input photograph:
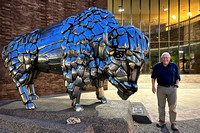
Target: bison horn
105,37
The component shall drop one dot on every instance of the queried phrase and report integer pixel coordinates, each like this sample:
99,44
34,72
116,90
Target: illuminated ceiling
184,10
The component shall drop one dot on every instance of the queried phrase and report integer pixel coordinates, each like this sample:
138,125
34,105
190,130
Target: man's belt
167,85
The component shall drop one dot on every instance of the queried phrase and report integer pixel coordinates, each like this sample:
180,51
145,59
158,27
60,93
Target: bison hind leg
25,98
31,92
30,86
25,87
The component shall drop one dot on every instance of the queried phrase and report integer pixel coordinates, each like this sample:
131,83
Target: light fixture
173,16
165,9
181,52
190,14
121,10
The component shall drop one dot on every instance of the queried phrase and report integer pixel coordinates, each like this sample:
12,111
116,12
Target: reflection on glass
184,59
195,56
110,6
174,12
154,20
174,21
184,9
136,13
154,54
126,13
164,20
117,6
194,8
194,26
145,16
194,37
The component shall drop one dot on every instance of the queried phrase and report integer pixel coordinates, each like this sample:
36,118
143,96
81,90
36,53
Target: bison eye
119,54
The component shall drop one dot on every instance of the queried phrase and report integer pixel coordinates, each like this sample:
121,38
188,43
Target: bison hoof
34,97
104,100
30,105
78,108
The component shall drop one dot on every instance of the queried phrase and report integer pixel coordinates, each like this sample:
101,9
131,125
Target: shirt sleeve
154,72
177,75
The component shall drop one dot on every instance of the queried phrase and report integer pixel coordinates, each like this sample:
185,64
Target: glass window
194,20
117,6
174,52
145,16
126,12
154,20
194,8
195,28
173,12
188,33
195,57
184,58
110,6
163,20
136,13
154,54
184,10
173,20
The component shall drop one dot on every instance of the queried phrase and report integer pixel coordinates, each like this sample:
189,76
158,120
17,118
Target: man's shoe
160,124
174,127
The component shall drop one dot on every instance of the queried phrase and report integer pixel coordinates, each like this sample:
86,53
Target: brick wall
23,16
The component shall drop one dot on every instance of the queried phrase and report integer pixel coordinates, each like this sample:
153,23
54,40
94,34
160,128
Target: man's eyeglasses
165,57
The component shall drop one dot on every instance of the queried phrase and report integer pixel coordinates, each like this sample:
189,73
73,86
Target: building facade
172,26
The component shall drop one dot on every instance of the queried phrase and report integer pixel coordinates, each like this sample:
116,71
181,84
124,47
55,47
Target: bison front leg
100,94
25,97
74,83
75,95
99,90
75,70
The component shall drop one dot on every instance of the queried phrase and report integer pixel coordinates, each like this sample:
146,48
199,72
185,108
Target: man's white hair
165,53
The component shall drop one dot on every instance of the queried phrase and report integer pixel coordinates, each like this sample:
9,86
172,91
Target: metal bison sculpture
85,48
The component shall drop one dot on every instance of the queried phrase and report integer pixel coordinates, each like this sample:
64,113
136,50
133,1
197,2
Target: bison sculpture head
126,48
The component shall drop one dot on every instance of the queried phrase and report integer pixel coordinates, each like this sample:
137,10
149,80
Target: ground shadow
164,129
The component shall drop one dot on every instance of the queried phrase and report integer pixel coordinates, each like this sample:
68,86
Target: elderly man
168,78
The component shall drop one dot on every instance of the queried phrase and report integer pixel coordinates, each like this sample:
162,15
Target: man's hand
153,85
175,87
153,89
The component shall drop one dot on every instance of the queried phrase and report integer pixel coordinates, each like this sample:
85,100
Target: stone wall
18,17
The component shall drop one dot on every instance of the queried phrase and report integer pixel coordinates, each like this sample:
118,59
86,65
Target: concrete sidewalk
188,106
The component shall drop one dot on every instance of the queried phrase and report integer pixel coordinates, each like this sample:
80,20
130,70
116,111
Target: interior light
121,10
190,14
166,9
173,16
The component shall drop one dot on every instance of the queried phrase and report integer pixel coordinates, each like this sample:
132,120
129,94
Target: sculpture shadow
164,129
88,109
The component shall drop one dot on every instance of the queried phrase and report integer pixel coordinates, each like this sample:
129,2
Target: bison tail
7,50
4,53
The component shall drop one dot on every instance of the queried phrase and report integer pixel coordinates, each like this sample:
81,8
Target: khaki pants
169,93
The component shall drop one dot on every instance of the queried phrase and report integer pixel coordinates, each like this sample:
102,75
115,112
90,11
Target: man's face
165,59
